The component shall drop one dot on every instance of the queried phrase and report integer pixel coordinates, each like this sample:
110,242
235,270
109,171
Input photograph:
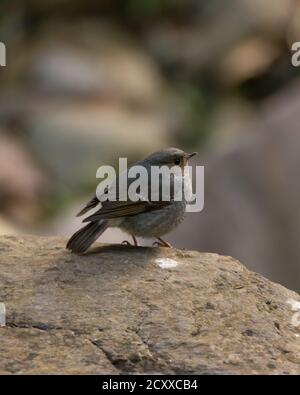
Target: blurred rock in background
22,182
90,96
252,195
87,82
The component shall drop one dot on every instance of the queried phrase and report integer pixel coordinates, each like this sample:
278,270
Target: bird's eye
177,161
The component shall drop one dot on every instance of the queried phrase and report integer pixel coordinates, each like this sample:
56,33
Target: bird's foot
126,243
161,243
157,244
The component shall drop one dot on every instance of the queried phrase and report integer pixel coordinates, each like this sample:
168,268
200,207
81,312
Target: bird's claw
126,243
157,244
162,243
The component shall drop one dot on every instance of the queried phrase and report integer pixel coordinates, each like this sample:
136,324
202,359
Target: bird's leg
127,243
162,243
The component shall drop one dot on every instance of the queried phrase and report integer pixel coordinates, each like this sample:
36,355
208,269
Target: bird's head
170,157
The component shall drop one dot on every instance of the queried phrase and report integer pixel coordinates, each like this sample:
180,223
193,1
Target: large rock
121,309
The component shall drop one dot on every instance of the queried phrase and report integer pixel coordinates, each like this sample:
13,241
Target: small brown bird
143,218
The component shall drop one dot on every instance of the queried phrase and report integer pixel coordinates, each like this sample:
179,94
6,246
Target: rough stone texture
116,310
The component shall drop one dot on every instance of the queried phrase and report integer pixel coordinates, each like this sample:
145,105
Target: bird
146,218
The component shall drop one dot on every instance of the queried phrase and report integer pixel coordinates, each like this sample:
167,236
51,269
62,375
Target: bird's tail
84,237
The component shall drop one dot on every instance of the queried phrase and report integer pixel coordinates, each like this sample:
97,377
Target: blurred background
89,81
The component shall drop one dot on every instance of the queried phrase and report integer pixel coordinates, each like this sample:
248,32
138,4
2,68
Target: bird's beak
191,155
187,157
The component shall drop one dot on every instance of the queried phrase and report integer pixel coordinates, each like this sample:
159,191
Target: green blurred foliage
199,110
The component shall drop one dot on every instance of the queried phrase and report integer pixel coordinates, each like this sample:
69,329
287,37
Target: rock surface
122,309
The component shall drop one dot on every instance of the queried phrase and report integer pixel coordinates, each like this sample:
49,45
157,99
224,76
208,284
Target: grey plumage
144,218
84,237
155,223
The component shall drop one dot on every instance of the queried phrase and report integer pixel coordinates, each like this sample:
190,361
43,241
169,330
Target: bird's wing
128,208
95,201
118,208
90,204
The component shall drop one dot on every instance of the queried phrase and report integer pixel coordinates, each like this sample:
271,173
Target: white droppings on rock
166,263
